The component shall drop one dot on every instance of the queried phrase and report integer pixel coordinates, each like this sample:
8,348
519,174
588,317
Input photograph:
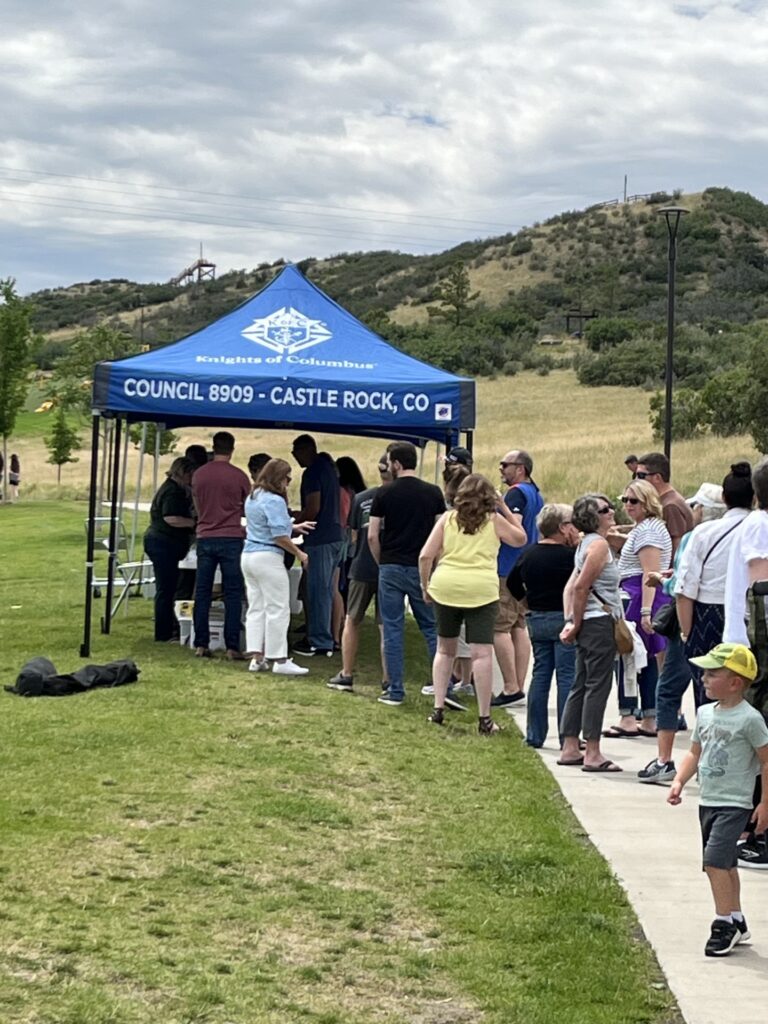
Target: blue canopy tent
289,357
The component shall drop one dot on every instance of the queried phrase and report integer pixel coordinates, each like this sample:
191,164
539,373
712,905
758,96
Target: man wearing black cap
631,462
459,455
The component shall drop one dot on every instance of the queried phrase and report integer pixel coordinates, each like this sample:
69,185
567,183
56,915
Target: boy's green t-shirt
728,765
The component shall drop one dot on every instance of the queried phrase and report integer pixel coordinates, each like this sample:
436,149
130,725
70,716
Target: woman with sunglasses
645,550
591,602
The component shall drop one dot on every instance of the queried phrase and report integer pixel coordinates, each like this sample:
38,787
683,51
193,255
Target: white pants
269,604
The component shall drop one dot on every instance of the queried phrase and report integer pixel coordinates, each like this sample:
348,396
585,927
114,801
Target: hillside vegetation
499,305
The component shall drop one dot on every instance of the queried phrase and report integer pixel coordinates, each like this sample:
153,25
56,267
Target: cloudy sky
134,131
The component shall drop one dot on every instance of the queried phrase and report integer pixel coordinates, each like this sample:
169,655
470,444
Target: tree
454,295
167,439
687,415
72,379
62,441
15,337
756,403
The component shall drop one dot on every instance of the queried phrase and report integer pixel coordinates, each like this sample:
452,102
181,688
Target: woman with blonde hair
645,551
457,566
269,530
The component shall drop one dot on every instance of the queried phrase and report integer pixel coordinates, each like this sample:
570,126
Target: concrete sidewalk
655,852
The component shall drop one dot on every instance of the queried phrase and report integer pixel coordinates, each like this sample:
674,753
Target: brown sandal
486,726
203,652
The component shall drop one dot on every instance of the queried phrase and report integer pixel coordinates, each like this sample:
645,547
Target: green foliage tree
15,339
724,402
687,415
62,441
756,403
455,296
166,438
72,378
606,332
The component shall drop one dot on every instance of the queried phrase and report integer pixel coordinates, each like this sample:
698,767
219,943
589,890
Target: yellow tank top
466,573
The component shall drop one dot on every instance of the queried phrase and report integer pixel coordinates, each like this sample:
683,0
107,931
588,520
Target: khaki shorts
360,593
511,611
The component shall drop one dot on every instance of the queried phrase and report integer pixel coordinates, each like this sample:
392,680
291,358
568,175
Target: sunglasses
631,501
606,510
641,475
503,465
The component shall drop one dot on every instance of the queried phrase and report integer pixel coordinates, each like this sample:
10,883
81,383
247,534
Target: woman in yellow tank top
459,578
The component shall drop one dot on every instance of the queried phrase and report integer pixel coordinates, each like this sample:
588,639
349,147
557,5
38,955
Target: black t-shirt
171,500
516,500
362,567
540,576
408,507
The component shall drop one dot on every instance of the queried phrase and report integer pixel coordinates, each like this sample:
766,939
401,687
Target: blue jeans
550,656
672,684
323,562
224,552
646,684
396,582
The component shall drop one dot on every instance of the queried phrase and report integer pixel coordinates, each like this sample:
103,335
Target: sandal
203,652
486,726
437,716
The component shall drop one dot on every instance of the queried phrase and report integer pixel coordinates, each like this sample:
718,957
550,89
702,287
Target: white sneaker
428,690
257,665
288,668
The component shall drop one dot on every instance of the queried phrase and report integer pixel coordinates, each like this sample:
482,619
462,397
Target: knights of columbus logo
286,331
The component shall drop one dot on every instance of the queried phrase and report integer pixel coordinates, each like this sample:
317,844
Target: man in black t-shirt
402,516
363,583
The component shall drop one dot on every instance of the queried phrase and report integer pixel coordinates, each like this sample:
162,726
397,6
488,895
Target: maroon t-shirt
220,490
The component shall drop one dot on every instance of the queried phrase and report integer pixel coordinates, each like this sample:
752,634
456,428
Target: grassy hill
609,258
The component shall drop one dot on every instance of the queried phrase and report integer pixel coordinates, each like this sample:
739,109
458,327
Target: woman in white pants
269,530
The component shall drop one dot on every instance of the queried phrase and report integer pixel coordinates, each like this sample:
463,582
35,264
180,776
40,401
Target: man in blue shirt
324,545
510,638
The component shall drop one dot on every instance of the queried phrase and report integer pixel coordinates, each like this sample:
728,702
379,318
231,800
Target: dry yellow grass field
578,438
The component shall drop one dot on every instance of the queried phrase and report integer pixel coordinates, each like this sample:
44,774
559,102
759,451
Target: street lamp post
672,215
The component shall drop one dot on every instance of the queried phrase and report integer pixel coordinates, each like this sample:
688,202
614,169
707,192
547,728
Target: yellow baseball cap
736,657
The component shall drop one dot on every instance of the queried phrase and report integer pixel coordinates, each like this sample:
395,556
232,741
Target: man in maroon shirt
219,490
678,518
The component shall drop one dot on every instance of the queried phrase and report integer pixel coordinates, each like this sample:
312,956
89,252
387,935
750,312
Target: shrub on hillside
607,332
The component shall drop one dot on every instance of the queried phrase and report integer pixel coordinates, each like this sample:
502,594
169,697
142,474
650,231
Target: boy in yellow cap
729,747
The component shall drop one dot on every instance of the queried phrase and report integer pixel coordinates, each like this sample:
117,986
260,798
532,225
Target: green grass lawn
209,846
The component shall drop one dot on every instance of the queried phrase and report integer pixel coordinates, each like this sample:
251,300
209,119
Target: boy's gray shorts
721,828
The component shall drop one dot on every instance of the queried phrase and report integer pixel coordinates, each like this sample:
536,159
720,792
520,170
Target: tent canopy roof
288,357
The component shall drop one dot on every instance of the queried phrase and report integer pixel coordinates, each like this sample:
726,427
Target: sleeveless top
606,584
466,574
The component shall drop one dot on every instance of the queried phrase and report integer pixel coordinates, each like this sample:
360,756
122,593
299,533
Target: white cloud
424,113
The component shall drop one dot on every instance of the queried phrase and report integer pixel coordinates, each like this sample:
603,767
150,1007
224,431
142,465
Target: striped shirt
651,533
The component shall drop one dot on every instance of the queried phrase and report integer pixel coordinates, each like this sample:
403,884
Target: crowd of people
671,597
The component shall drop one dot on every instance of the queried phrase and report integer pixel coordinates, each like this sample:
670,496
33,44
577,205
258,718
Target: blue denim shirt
266,517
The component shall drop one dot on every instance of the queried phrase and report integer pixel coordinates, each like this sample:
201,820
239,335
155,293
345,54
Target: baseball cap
462,455
736,657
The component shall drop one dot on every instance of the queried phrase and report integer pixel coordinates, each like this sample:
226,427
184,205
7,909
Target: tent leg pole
135,525
85,647
470,436
421,462
107,620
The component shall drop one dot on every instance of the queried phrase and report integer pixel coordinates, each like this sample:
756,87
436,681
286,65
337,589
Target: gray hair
552,517
760,482
585,517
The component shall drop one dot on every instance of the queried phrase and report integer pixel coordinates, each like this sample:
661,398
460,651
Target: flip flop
646,732
617,733
578,761
607,767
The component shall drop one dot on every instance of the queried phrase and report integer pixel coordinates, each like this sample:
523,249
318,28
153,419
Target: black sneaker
306,650
754,853
655,772
437,717
744,933
502,700
723,937
340,682
452,704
